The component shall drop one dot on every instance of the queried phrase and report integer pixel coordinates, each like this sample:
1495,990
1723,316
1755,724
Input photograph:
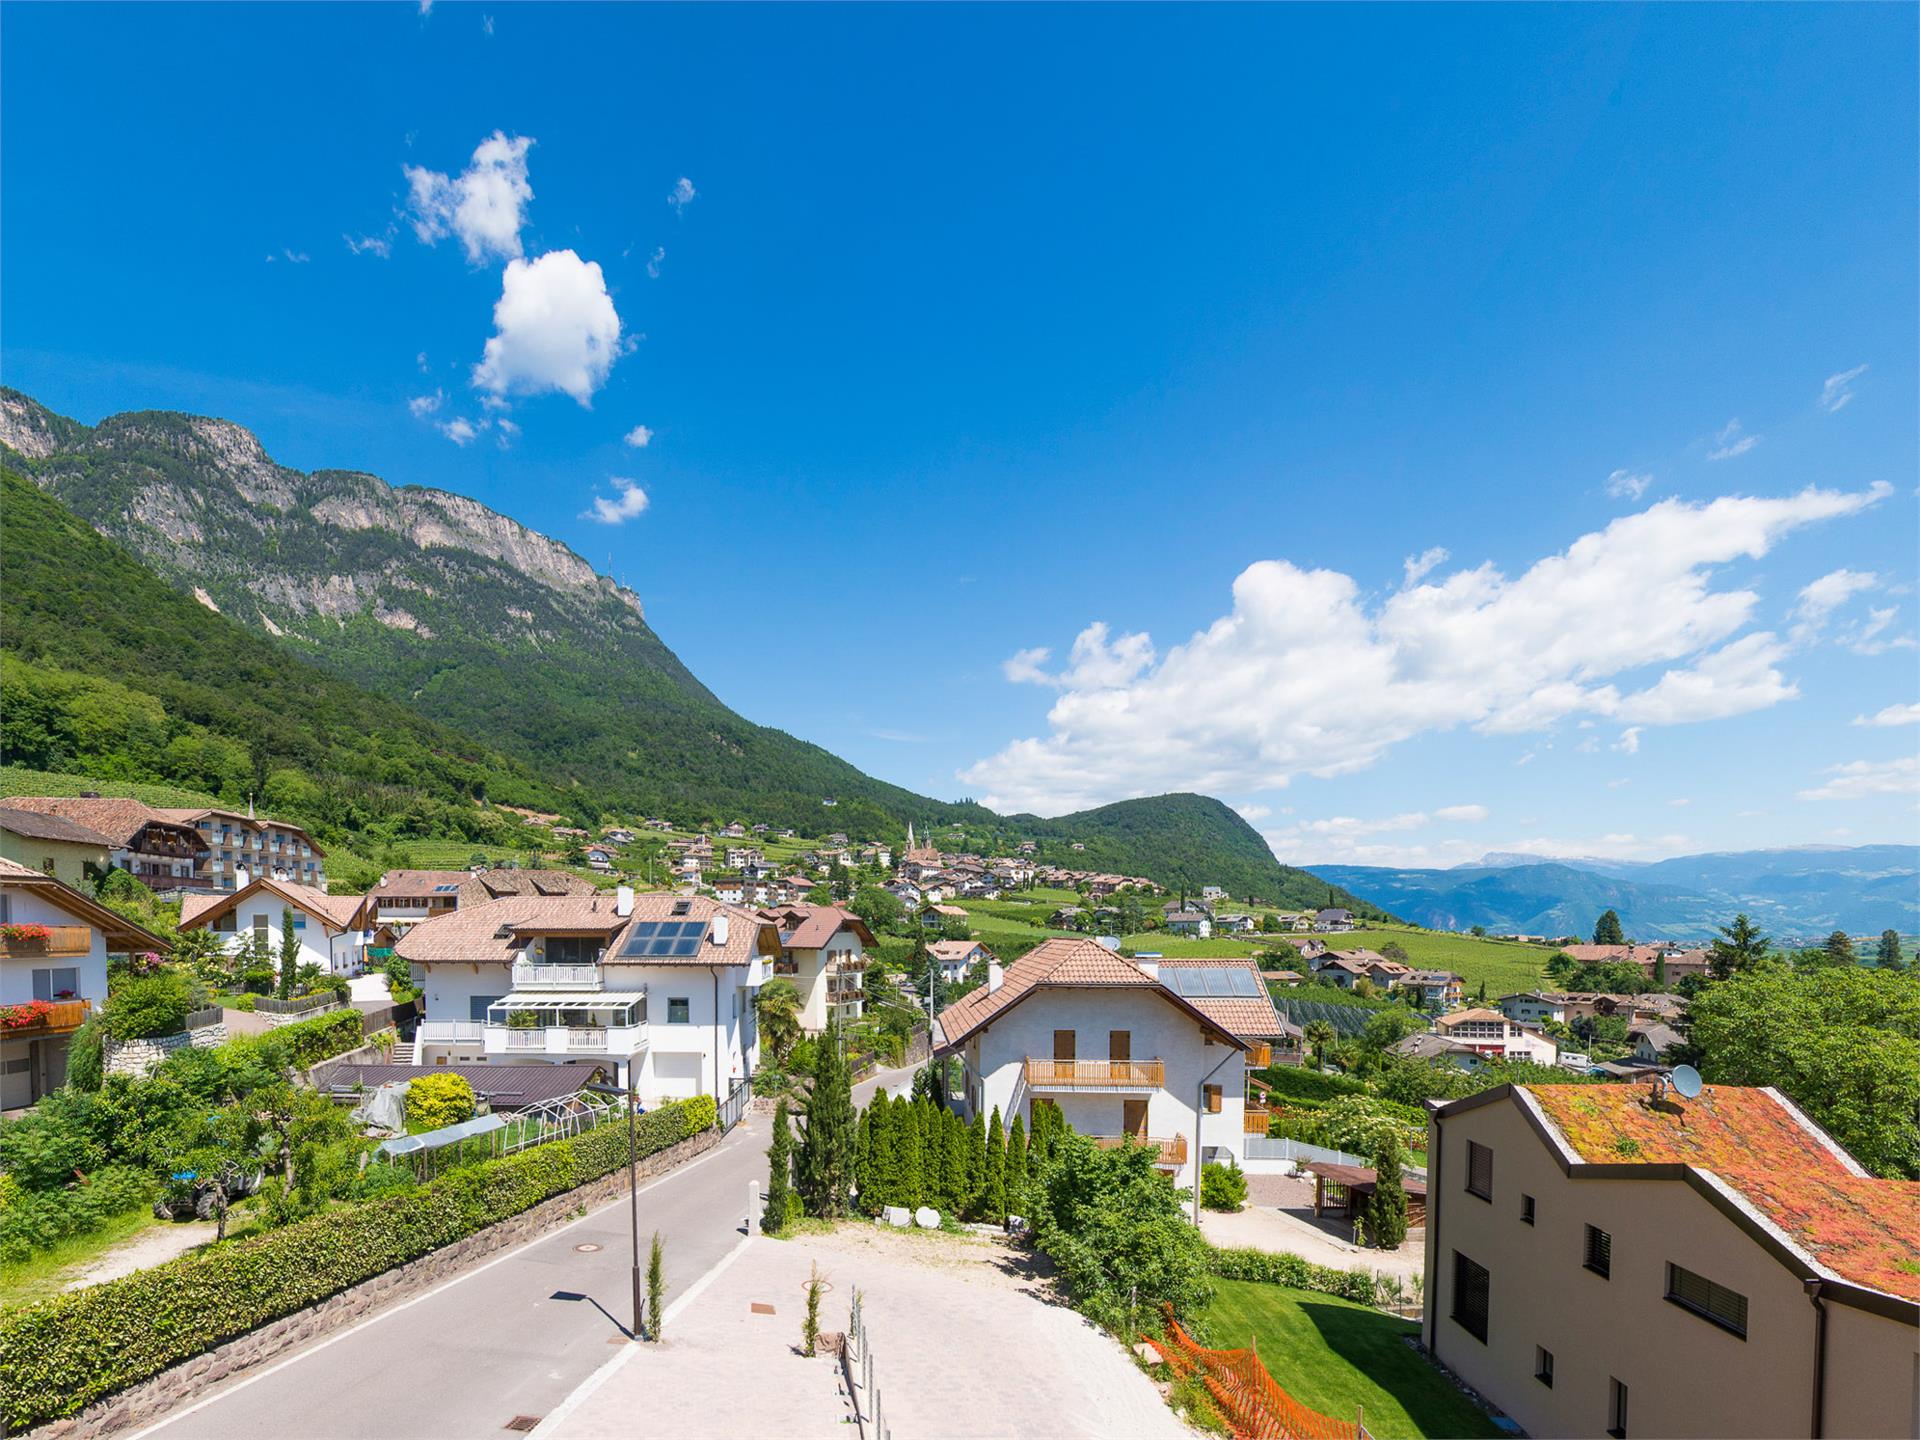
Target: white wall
996,1061
16,975
339,954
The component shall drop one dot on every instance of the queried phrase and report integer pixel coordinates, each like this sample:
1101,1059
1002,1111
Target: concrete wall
139,1057
1684,1374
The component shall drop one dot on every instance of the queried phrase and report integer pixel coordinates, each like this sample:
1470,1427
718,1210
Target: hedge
311,1041
60,1354
1298,1274
703,1113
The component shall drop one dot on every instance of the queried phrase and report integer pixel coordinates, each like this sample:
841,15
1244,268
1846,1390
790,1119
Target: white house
1120,1047
1190,922
54,943
656,988
1534,1007
823,951
1493,1034
328,927
956,957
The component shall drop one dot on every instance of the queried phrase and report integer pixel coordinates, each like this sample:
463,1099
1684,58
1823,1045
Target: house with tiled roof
1119,1047
823,951
1619,1258
956,957
656,988
1498,1038
404,898
330,930
166,854
54,845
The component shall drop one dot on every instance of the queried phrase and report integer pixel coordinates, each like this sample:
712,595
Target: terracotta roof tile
43,825
808,927
495,932
117,818
1862,1229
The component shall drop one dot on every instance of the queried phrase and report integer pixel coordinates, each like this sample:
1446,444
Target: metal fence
1265,1147
734,1107
856,1362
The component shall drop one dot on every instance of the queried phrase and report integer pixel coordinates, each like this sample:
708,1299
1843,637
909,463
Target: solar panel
687,947
664,938
1217,982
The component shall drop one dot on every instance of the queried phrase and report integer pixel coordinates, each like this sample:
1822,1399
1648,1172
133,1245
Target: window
477,1005
1526,1210
1616,1409
1543,1366
61,983
226,924
1725,1308
1213,1099
1063,1045
46,864
572,949
1471,1284
260,924
1479,1170
677,1011
1599,1256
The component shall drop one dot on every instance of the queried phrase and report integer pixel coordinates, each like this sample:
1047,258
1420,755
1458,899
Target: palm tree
1319,1035
778,1010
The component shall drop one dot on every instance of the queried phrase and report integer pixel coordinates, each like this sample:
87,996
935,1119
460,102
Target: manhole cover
587,1249
521,1422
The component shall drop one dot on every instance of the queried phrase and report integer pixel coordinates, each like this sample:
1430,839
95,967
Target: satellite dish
1686,1081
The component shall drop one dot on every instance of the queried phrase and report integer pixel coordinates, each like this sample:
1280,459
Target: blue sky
1180,345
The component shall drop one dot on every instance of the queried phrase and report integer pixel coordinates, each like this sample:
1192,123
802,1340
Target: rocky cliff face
300,554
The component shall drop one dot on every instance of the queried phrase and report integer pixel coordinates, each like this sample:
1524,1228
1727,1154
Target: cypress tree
993,1191
877,1188
1016,1173
825,1169
1387,1212
863,1158
910,1159
953,1164
975,1182
289,953
779,1163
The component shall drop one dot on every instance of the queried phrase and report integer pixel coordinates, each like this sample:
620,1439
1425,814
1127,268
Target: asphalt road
512,1337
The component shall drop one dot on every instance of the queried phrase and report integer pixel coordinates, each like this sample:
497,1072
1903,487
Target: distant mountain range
374,659
1800,893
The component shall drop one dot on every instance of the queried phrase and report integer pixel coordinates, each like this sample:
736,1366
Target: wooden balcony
1095,1074
1260,1057
62,940
65,1017
1172,1152
1254,1120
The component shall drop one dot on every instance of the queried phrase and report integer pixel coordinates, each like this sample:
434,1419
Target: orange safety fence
1250,1401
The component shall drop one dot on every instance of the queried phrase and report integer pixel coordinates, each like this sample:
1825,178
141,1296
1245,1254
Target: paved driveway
512,1337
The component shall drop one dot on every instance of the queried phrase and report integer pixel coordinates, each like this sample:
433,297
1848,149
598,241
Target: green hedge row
323,1037
1297,1274
60,1354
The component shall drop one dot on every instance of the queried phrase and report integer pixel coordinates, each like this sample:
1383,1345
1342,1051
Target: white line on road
340,1335
607,1371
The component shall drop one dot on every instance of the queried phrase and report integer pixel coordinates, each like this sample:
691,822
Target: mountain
1795,894
544,674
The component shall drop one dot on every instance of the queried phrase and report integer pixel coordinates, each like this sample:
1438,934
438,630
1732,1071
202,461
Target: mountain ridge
512,643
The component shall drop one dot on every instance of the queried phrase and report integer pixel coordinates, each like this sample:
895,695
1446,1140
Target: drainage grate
587,1249
521,1422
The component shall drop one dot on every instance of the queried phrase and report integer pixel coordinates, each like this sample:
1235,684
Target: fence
1252,1403
1264,1147
301,1005
735,1105
856,1362
200,1019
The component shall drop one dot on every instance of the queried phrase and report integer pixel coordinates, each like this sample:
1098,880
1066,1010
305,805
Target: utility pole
633,1180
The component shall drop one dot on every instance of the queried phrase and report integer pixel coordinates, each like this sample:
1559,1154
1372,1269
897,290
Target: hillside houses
1676,963
182,849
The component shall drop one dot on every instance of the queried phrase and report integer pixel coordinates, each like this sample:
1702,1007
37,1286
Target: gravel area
151,1246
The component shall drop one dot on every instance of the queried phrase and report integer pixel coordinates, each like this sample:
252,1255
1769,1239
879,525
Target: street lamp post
633,1181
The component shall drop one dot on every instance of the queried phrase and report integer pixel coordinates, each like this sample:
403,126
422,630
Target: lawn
18,780
1505,965
48,1271
1337,1357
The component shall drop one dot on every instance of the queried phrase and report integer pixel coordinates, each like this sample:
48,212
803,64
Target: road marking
340,1335
607,1371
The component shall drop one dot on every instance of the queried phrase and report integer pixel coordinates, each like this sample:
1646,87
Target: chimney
241,879
996,976
717,928
623,900
1149,967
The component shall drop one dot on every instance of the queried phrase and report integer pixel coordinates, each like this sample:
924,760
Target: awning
589,1000
446,1135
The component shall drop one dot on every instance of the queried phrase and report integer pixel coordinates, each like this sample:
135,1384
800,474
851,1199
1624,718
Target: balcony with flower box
33,1018
24,942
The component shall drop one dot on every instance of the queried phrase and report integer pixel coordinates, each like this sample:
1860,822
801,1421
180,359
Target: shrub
703,1113
86,1065
1297,1083
441,1099
258,980
149,1006
34,1220
58,1355
1223,1187
1271,1268
308,1042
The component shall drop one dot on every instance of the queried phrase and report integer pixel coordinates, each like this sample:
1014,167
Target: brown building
1602,1261
162,852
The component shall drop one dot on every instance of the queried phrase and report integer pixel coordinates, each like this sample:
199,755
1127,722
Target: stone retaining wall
139,1057
153,1399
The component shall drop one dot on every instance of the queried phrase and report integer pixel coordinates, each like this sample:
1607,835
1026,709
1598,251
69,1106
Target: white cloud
1563,639
555,328
681,195
1023,666
1680,804
509,432
378,245
1820,598
1861,779
486,24
1838,389
1299,845
1461,812
485,205
627,501
460,430
1418,566
1253,811
1730,443
1629,741
1862,636
653,261
426,8
639,437
421,361
1892,715
424,405
1628,484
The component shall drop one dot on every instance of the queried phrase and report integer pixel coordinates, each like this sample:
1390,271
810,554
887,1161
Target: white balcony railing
526,1039
529,975
618,1040
446,1031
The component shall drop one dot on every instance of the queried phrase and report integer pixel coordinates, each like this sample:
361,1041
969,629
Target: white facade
678,1030
336,952
33,1063
1532,1009
1155,1030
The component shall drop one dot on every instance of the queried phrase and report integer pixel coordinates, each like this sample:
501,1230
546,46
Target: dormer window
682,907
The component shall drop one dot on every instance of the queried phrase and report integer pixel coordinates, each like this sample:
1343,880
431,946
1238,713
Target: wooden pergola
1336,1187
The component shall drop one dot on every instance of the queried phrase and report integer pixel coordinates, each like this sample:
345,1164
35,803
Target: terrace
1095,1074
